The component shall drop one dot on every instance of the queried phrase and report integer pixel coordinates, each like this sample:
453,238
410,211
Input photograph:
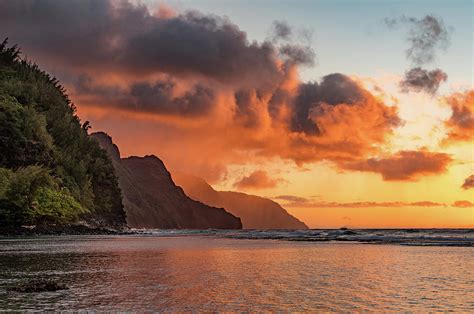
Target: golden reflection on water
205,273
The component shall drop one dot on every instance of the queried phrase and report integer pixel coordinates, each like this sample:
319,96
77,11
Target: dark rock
57,230
255,212
38,285
152,200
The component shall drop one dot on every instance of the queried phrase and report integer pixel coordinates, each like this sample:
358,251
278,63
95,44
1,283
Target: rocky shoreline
59,230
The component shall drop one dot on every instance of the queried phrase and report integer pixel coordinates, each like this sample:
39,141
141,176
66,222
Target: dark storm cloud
338,88
247,111
421,80
104,37
333,89
469,182
298,54
280,30
85,85
425,37
120,36
158,97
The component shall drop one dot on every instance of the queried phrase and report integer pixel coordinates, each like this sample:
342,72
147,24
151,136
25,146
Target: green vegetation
32,196
51,171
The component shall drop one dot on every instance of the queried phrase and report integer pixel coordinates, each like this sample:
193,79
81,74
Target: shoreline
58,231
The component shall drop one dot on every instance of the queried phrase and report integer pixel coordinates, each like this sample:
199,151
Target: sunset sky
348,113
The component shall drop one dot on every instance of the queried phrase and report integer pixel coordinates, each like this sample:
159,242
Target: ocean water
414,237
243,271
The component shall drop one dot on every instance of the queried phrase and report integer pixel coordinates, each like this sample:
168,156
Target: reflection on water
207,273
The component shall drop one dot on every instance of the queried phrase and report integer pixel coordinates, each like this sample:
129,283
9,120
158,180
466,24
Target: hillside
51,172
152,200
254,211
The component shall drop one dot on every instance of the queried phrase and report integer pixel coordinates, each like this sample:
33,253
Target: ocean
248,270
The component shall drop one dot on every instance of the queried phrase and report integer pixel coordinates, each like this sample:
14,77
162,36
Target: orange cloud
164,11
257,180
469,182
335,119
461,123
365,204
292,198
463,204
404,165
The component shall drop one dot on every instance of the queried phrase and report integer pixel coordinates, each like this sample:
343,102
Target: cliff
152,200
254,211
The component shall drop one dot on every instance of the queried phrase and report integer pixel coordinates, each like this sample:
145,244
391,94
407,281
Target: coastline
59,230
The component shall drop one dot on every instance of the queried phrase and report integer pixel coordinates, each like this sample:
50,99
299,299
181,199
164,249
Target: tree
56,207
48,151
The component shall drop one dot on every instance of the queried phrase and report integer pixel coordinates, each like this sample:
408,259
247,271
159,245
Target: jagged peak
107,143
150,158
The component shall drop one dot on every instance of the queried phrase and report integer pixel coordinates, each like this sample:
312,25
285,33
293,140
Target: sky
348,113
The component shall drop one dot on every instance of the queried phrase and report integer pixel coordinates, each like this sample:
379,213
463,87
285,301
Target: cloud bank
364,204
203,96
292,201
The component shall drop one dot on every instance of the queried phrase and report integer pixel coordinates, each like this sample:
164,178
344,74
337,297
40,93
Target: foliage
53,206
23,185
46,153
31,196
23,136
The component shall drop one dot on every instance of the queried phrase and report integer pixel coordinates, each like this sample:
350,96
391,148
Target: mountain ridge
255,212
152,200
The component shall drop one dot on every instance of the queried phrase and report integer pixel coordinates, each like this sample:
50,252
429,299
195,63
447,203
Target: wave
413,237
